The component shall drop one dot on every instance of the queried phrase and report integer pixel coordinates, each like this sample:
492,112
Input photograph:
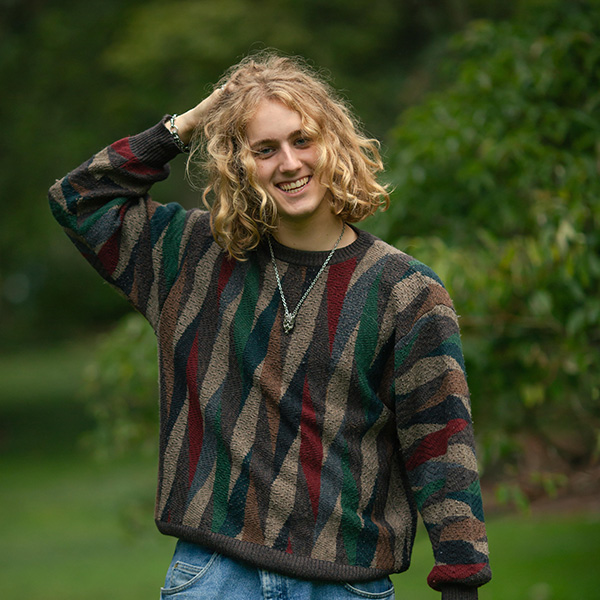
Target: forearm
436,435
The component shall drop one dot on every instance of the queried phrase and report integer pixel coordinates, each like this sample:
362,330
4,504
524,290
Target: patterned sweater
308,453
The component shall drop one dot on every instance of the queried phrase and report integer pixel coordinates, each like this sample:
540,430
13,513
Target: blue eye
263,152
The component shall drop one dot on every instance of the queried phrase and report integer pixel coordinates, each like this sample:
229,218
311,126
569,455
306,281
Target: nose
290,161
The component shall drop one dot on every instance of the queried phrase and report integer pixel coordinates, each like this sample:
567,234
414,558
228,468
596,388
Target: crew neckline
311,258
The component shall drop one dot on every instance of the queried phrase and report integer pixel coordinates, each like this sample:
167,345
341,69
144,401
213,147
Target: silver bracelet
175,133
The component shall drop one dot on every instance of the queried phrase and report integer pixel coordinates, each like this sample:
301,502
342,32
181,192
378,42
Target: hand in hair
193,118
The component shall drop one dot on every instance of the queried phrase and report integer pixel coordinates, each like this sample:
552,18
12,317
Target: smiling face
286,159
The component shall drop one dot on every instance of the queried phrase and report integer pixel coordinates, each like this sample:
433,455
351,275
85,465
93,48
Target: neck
318,237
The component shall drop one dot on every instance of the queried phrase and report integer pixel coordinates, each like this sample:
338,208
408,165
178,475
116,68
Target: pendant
288,323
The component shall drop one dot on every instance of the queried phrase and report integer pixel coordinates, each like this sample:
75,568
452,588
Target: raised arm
104,206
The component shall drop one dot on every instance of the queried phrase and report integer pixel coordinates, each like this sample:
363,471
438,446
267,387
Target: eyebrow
267,141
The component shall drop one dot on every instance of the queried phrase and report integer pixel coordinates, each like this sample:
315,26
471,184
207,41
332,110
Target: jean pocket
376,589
183,574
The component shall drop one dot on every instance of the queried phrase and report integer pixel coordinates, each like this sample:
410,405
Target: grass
73,528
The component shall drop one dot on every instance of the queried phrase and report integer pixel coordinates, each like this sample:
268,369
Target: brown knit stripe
290,446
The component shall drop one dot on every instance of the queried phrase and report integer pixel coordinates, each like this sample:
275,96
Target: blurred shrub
122,392
497,188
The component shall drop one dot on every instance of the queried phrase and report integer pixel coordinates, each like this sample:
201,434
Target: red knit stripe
132,163
337,284
109,253
441,574
195,422
311,449
435,444
227,266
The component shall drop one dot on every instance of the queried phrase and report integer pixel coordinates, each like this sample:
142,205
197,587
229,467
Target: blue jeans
197,573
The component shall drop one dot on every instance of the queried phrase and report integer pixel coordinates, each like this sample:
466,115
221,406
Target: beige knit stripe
152,308
437,296
100,165
218,369
172,451
135,219
436,513
306,322
418,432
197,506
442,310
471,530
324,547
367,262
267,290
197,295
192,218
383,249
270,381
166,348
58,197
337,392
403,294
369,472
460,455
384,555
425,370
396,513
268,373
243,435
283,492
252,530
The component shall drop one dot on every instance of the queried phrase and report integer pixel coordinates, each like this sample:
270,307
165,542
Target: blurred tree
497,187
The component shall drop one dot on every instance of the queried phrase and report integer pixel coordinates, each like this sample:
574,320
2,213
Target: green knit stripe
222,478
366,345
244,316
350,524
424,493
334,503
170,247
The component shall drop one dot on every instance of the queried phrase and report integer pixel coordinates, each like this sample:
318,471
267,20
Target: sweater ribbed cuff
459,592
154,147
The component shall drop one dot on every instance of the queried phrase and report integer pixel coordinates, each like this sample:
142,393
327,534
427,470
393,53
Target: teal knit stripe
315,482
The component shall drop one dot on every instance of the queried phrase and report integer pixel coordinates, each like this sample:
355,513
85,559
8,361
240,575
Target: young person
312,387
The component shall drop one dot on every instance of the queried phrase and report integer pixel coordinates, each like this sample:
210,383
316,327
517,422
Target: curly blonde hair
241,210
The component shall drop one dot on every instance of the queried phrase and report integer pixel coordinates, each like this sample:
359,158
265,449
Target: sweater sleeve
436,438
104,207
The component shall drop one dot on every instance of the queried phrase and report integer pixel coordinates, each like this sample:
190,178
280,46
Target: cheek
263,173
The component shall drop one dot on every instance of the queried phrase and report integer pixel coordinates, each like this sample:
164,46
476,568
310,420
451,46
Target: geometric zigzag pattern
308,453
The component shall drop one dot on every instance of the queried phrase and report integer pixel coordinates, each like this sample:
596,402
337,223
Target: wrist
180,132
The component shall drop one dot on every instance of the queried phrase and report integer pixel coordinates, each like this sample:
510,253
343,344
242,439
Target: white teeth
294,185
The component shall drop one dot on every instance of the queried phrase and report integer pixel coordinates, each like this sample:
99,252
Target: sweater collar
310,258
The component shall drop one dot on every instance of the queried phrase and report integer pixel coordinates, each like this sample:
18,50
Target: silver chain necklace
290,317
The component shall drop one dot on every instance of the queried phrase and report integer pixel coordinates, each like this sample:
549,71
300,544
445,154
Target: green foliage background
489,114
497,187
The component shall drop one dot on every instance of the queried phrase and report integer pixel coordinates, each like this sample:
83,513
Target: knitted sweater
309,453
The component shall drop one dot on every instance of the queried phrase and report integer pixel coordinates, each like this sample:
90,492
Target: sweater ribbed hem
269,559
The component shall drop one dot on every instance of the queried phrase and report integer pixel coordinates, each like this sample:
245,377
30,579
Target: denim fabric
196,573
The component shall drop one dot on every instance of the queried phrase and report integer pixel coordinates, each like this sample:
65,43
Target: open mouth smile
292,187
